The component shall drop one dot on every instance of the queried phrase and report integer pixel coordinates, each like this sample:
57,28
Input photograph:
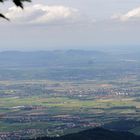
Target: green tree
18,3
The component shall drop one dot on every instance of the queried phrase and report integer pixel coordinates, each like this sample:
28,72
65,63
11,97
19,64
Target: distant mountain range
53,65
48,58
67,65
96,134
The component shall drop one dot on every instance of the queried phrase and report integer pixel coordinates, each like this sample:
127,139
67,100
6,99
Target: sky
71,24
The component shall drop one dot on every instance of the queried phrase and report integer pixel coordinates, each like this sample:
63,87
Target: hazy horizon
132,48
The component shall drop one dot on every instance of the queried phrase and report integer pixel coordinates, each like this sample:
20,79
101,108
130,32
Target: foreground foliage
18,3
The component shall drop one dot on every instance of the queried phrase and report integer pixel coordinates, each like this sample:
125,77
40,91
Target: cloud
133,14
43,14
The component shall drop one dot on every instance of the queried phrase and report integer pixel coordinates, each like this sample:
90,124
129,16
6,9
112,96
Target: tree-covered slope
96,134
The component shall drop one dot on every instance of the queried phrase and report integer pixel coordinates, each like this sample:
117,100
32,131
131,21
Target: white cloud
133,14
43,14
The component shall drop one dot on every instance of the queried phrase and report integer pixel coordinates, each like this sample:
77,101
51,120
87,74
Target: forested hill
96,134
